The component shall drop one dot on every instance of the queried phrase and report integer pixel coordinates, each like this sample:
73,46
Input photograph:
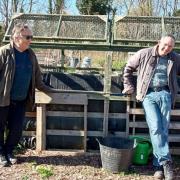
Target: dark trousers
11,118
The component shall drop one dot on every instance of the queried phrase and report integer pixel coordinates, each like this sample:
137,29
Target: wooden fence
73,120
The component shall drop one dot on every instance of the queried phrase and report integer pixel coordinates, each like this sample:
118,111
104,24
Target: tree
177,13
56,6
1,33
59,6
90,7
9,7
50,6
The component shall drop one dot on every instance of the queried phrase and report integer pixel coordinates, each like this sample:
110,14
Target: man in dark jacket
157,69
19,76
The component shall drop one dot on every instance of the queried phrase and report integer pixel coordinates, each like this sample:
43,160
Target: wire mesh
138,28
145,28
64,26
94,32
172,26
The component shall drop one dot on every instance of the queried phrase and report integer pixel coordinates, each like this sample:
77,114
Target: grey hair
18,28
168,35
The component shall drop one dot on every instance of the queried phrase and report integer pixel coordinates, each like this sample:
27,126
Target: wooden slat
30,114
29,133
175,151
173,125
85,128
172,137
65,132
106,117
90,114
140,111
136,111
61,98
118,134
81,133
95,133
41,127
178,98
175,112
127,118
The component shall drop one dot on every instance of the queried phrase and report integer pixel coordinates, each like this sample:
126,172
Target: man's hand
128,91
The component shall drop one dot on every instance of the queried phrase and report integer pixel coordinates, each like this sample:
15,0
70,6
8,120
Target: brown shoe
159,174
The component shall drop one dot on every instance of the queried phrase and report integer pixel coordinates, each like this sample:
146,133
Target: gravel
59,165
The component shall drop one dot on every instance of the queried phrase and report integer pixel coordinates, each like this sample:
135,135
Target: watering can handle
150,149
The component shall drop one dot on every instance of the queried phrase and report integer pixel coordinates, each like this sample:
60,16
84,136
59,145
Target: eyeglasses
27,37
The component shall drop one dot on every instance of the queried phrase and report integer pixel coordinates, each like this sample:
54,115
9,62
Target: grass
25,177
44,171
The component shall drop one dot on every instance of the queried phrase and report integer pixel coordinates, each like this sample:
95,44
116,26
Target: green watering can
143,148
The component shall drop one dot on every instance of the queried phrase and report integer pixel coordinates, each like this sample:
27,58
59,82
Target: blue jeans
12,118
157,107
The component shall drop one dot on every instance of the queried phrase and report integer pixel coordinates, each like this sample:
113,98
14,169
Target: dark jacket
7,71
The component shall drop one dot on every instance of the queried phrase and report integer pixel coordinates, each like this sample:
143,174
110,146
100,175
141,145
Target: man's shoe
11,158
168,170
159,174
3,161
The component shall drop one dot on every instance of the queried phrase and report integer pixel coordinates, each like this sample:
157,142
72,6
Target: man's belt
157,89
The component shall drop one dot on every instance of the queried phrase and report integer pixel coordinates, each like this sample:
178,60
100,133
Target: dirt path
59,165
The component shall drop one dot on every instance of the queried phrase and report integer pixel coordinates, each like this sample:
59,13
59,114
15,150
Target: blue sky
71,7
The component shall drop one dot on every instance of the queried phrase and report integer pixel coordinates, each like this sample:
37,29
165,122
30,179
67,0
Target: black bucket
116,153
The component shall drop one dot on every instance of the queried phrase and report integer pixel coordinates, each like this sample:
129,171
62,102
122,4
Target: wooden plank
118,134
29,133
95,133
108,72
61,98
127,118
172,137
81,133
85,128
140,124
80,114
41,127
134,116
140,111
30,114
96,95
64,132
175,112
175,151
178,98
106,117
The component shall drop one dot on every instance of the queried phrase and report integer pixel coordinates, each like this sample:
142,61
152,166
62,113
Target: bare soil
73,166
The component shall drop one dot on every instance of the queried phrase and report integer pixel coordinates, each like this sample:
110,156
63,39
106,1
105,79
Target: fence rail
96,32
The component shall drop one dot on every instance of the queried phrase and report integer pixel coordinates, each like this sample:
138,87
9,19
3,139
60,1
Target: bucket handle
98,140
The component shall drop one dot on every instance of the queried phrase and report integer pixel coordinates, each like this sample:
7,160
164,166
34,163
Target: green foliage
118,64
99,62
177,13
25,177
44,171
90,7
